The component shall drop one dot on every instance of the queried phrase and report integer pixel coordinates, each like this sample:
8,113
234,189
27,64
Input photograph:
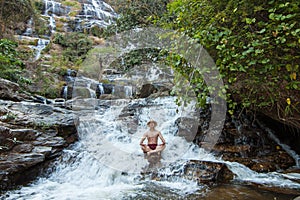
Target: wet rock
81,92
10,91
243,140
6,139
147,90
25,134
154,90
207,172
23,151
23,148
187,127
201,171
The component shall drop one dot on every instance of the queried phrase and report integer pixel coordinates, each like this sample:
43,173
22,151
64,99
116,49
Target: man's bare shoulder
147,133
154,134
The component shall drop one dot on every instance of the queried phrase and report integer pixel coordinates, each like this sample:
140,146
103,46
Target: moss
70,3
73,13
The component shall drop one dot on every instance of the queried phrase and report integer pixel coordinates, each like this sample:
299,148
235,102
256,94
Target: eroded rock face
31,134
244,141
10,91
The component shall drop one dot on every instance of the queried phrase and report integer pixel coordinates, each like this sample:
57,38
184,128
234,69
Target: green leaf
288,67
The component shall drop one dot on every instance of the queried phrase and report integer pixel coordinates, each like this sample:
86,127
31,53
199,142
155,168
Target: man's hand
142,144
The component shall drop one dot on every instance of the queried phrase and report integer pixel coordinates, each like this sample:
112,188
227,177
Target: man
152,137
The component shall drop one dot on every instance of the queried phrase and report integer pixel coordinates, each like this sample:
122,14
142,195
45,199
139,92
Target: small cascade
94,13
65,92
101,88
92,91
42,43
98,9
51,8
52,24
70,76
287,148
28,31
244,174
128,91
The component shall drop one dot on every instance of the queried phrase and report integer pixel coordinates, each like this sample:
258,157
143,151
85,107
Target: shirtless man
152,136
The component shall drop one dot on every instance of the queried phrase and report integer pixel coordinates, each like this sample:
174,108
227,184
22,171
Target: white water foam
107,161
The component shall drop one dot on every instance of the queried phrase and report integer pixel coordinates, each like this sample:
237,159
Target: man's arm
143,138
161,138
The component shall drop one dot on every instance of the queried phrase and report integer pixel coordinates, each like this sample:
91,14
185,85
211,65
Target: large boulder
10,91
31,135
201,171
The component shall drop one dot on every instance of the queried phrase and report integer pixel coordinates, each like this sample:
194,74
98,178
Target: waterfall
128,91
52,7
28,30
107,162
101,88
99,9
92,91
42,43
97,12
65,92
288,149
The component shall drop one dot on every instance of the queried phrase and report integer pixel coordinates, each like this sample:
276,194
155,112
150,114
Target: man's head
152,121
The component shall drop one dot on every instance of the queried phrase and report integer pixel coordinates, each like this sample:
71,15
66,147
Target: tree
255,45
136,14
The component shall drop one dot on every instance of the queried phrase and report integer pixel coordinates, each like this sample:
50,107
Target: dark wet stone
10,91
23,148
187,127
201,171
25,134
147,90
24,151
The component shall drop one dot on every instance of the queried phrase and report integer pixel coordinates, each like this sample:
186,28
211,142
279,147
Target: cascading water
52,7
107,162
128,91
65,92
97,12
101,88
292,153
42,43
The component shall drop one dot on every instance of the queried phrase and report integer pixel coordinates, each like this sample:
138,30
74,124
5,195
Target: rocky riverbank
31,135
35,130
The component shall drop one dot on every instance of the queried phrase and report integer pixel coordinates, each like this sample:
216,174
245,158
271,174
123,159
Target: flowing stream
107,162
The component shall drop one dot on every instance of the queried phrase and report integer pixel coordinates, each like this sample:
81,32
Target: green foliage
10,66
136,14
12,13
75,45
38,5
136,57
255,45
